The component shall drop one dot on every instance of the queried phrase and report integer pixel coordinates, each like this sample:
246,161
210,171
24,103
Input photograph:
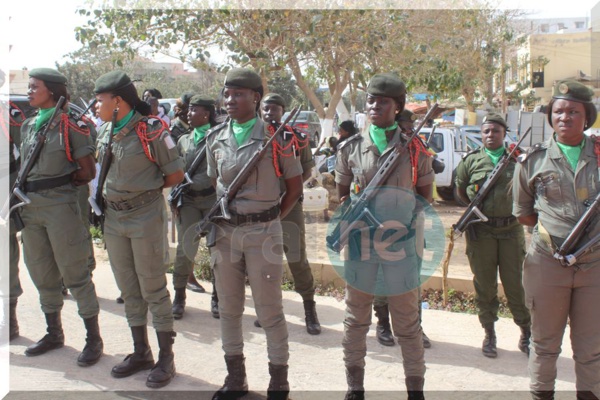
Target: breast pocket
547,186
475,183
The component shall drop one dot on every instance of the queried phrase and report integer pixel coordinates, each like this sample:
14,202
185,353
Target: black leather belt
45,184
265,216
144,198
201,193
500,222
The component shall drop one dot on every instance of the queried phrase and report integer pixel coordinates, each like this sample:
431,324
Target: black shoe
236,384
13,322
53,340
524,340
195,287
313,327
383,331
355,377
141,358
414,387
489,343
257,323
279,388
214,307
178,303
94,347
163,372
426,341
120,300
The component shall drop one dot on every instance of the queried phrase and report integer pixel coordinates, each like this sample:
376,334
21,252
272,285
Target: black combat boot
426,341
542,395
141,358
279,388
236,384
214,305
178,303
355,376
93,343
586,395
524,339
489,343
384,332
13,323
53,340
313,327
414,387
164,370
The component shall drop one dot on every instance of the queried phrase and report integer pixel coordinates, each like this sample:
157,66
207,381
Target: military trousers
553,295
294,245
55,250
254,250
136,242
187,244
83,194
15,289
498,251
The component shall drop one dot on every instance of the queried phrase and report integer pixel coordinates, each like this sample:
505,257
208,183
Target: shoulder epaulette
351,139
467,154
216,128
533,149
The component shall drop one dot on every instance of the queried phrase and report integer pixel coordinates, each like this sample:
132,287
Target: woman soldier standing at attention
144,162
554,184
195,201
251,242
358,160
54,238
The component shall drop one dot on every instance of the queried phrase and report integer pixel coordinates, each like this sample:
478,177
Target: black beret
497,118
48,75
386,85
200,100
274,98
407,115
186,97
111,82
244,78
572,90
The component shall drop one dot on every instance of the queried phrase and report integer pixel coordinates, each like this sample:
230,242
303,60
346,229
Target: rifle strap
415,147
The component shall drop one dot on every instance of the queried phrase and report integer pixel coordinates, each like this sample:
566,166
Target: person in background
498,245
55,248
144,162
197,200
180,124
554,184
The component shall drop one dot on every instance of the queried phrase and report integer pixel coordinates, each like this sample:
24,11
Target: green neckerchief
378,135
200,132
44,115
241,132
571,152
121,123
495,155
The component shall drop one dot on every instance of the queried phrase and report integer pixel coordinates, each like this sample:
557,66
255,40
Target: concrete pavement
456,368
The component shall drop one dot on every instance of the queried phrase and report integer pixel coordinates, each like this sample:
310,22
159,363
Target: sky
30,50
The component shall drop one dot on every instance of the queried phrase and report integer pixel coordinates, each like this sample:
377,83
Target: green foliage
459,302
96,233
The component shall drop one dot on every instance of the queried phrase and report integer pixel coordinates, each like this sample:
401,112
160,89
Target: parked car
21,101
169,106
308,122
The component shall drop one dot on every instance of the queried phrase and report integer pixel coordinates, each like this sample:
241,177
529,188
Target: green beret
48,75
274,98
244,78
111,82
572,90
386,85
497,118
186,97
200,100
407,115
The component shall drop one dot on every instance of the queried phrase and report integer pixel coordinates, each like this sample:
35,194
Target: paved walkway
455,365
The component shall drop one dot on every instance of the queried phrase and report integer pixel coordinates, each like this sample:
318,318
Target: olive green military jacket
471,174
54,159
261,191
132,172
546,185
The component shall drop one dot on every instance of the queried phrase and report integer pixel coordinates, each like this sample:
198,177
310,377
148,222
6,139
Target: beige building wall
18,81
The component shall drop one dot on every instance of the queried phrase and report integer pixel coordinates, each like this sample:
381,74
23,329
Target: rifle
359,209
564,254
431,135
18,197
97,202
473,210
222,203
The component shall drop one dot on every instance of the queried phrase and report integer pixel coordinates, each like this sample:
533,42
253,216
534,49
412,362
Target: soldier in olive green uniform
251,242
145,160
294,240
16,118
54,237
498,245
358,160
196,200
554,182
181,125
